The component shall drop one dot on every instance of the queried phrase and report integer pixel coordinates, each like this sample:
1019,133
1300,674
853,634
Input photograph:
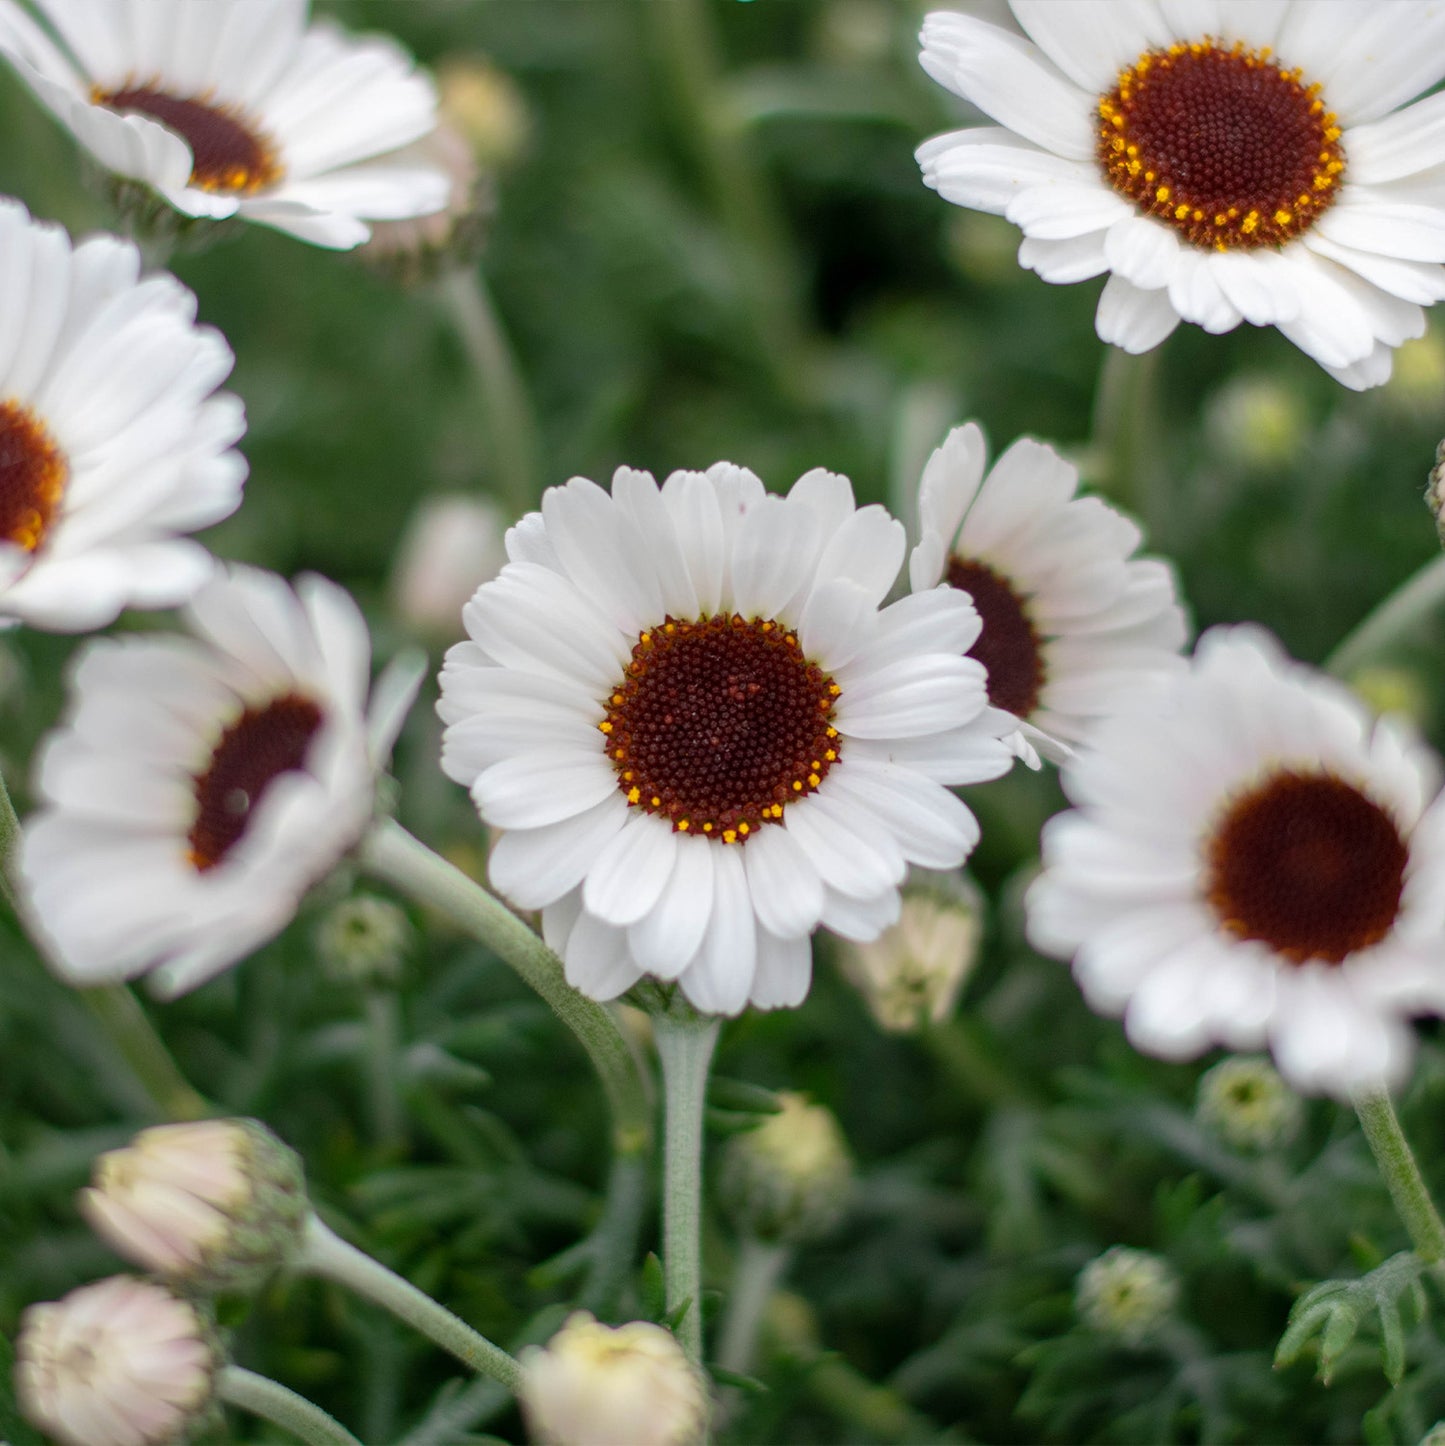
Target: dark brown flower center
1225,146
252,753
718,724
33,473
228,153
1009,645
1308,865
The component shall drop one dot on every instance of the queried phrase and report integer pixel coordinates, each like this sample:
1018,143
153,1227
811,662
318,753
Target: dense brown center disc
1308,865
1225,146
718,724
227,153
260,745
1009,645
33,473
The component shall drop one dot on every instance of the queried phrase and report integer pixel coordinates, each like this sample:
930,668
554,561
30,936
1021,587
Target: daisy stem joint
1402,1175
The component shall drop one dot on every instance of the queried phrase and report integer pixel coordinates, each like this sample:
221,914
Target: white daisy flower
1223,160
1252,861
1071,619
237,108
113,438
200,786
701,737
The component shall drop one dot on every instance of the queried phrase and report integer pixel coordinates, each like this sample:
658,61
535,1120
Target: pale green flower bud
788,1179
914,971
596,1385
1246,1103
1393,690
1417,377
1257,420
364,940
214,1205
1126,1293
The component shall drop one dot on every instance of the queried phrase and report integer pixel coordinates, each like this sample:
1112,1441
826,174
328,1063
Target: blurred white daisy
199,786
237,107
1223,161
701,737
1252,861
1071,619
113,438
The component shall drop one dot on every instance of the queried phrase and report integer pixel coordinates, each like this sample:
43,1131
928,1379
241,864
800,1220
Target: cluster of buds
597,1385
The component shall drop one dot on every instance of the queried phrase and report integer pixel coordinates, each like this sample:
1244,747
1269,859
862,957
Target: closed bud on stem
788,1179
1126,1293
1246,1102
913,973
124,1361
364,940
451,546
487,107
215,1205
596,1385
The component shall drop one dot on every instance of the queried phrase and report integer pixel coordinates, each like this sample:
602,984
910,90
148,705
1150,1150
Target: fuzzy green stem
1406,609
282,1407
324,1253
383,1069
9,838
129,1029
756,1273
512,427
1397,1164
1126,411
393,855
685,1043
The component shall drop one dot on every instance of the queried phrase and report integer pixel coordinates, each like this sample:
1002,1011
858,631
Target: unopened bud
122,1361
364,940
1435,1436
788,1179
1417,376
216,1205
596,1385
1256,420
1246,1102
452,545
1393,690
486,107
1435,492
1126,1293
914,971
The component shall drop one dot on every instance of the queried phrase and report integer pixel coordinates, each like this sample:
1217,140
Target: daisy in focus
113,437
701,735
200,786
1072,620
1252,860
1222,162
237,108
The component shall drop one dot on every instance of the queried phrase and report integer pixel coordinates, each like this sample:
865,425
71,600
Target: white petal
631,872
1132,319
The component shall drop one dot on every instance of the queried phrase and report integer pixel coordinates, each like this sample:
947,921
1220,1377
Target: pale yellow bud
485,105
1126,1293
1257,420
364,940
596,1385
1246,1102
1417,378
217,1204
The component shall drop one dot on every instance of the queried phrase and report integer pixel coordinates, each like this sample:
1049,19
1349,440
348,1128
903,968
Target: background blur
710,240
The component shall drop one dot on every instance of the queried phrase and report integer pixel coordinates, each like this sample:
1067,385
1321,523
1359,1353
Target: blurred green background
710,240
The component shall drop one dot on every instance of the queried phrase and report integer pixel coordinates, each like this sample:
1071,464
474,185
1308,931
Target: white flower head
113,437
237,108
200,786
1222,161
599,1385
1252,860
701,736
122,1362
1072,620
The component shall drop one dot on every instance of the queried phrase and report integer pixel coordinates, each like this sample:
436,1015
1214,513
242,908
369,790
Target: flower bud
1246,1102
216,1205
124,1352
914,971
1435,1436
452,545
486,107
1435,492
788,1179
364,940
596,1385
1257,421
1417,377
1126,1293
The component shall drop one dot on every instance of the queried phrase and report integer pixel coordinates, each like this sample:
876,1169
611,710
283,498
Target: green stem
129,1029
1407,608
9,838
390,853
1397,1164
1126,429
685,1042
512,426
383,1067
756,1273
282,1407
325,1254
